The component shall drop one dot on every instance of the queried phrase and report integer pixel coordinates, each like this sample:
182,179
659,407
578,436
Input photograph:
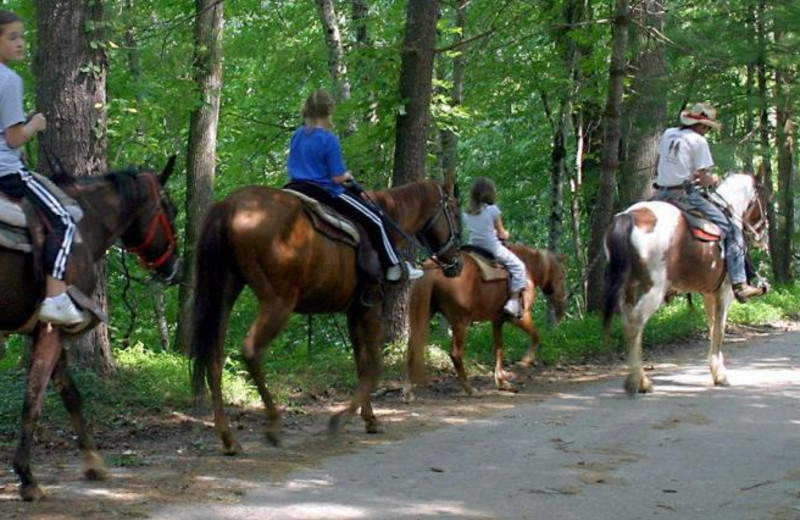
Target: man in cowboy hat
684,160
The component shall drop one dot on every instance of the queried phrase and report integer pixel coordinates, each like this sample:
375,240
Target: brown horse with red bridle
131,206
652,253
469,299
263,238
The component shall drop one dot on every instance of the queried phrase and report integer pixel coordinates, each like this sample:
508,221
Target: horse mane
123,181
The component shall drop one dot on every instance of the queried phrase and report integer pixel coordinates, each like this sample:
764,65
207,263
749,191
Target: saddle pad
489,272
701,228
327,215
11,213
12,237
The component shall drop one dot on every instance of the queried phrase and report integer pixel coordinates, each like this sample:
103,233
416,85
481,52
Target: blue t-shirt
315,155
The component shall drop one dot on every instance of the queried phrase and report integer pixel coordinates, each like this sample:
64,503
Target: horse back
280,254
466,297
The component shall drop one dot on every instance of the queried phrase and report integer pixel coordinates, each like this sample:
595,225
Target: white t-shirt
681,152
481,228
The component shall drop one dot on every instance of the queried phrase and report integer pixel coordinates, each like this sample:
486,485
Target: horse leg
717,305
94,466
230,446
367,336
529,327
46,352
268,325
500,375
635,318
457,354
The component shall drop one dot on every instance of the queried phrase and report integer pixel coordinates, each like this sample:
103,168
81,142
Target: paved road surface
689,451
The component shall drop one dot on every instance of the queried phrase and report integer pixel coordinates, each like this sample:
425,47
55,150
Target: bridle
453,237
758,233
159,220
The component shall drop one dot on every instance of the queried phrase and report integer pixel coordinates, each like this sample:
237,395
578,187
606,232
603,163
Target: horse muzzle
170,273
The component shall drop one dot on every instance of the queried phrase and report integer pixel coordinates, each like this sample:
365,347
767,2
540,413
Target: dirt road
555,450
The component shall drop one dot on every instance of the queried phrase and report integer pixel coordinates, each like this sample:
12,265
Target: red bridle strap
159,221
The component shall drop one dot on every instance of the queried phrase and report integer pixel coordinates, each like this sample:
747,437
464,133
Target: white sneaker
512,307
395,272
59,310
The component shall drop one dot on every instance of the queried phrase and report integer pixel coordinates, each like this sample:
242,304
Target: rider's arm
341,179
502,233
706,178
21,133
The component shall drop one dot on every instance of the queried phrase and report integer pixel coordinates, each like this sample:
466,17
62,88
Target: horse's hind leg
457,354
269,324
46,352
717,305
367,337
94,467
635,318
530,358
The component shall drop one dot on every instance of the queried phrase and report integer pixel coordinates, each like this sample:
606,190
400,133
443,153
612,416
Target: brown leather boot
745,291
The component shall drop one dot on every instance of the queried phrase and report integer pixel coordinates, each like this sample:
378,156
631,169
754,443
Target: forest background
561,102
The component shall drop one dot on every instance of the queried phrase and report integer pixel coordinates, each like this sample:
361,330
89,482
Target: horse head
151,232
441,233
743,194
555,289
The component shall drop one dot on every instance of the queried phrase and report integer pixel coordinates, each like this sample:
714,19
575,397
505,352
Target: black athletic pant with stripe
22,184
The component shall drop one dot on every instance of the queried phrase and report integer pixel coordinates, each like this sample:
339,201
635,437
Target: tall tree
784,141
411,130
202,154
71,66
646,106
416,78
333,39
604,207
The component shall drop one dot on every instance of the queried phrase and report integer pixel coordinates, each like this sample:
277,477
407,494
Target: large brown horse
263,238
468,299
132,206
652,253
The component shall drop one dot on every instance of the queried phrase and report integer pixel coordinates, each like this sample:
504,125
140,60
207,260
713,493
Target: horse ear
168,169
450,184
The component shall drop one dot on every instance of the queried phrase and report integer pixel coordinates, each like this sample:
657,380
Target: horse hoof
95,467
232,449
409,398
31,493
335,424
508,387
274,437
373,427
722,382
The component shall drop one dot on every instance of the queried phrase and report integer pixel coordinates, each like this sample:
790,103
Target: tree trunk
604,207
646,107
202,153
70,65
333,38
782,263
449,139
411,131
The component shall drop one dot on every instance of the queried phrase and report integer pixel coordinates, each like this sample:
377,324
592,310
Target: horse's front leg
46,352
500,376
457,354
530,358
717,305
94,466
367,336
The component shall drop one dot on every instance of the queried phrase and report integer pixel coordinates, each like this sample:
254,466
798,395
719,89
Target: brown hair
319,107
7,17
482,192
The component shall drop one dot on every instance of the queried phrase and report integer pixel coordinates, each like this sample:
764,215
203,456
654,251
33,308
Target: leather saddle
701,227
491,270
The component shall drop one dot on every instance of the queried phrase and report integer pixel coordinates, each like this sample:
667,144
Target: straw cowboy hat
703,114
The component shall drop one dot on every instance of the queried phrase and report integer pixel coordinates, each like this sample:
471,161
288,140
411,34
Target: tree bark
333,39
646,106
411,130
784,141
71,67
449,139
604,207
202,153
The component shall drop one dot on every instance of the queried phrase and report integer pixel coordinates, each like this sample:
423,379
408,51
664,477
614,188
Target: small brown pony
651,253
128,205
263,238
468,299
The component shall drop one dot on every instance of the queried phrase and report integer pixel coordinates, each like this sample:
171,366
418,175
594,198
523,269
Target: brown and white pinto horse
469,299
132,206
651,252
263,238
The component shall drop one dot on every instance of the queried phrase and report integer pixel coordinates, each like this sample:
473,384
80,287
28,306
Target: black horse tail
419,318
618,253
213,269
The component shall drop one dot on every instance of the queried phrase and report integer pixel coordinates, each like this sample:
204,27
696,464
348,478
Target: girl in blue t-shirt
17,182
486,231
315,156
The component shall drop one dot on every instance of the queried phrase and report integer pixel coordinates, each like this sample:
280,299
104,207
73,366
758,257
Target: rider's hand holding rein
707,179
